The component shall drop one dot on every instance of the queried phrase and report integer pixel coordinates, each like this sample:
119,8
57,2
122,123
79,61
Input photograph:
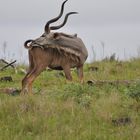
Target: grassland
71,111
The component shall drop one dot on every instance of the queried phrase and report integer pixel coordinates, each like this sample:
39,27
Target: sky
106,26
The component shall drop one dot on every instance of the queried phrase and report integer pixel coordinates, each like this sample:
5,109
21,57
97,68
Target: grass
60,111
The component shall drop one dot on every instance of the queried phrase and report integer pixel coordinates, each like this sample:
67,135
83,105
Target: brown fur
40,58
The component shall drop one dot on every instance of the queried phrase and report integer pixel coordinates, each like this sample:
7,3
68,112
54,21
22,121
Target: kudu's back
61,49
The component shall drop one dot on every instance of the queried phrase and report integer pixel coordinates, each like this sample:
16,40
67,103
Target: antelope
56,50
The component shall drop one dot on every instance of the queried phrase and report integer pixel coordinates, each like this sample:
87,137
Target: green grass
60,111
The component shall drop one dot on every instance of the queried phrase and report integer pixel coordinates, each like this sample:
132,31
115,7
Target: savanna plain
107,107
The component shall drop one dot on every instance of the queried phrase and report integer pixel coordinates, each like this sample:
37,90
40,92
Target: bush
134,91
81,94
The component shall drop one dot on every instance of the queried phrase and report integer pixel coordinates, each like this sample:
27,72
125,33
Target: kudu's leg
24,84
24,80
26,76
80,73
67,72
32,76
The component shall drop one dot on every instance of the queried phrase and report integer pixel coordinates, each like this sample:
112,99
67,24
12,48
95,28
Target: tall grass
60,111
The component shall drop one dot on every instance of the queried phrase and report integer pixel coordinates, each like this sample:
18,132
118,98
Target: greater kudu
55,50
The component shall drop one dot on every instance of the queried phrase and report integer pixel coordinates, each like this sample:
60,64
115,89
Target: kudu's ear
56,36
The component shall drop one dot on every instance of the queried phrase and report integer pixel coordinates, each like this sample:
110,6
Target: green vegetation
71,111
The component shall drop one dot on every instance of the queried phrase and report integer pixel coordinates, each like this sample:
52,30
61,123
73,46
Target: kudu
55,50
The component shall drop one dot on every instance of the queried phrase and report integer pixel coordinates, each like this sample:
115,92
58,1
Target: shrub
134,91
81,94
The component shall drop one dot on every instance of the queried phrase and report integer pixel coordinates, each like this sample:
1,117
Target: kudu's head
47,26
42,40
